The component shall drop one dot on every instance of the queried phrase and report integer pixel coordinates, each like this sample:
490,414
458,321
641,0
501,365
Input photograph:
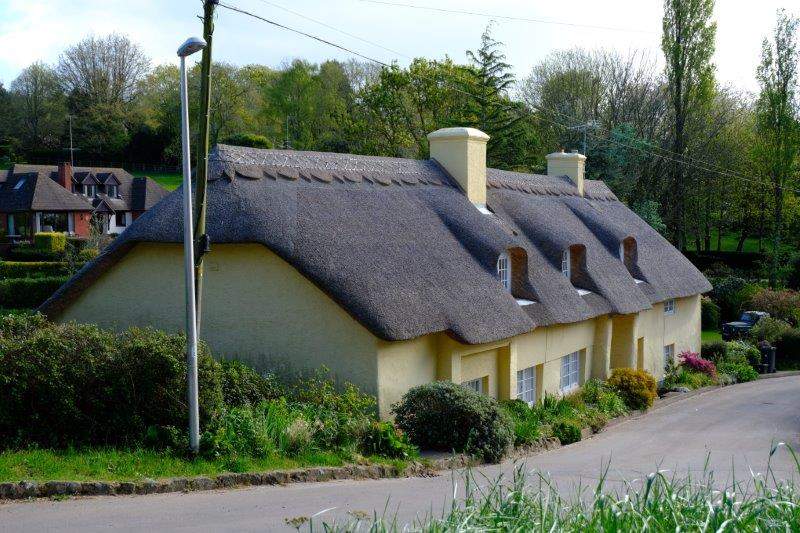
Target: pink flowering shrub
693,361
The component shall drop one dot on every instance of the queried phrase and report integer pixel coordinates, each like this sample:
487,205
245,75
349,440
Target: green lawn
135,465
729,242
709,336
168,180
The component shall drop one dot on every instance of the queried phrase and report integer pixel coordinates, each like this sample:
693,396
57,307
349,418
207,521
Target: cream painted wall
256,308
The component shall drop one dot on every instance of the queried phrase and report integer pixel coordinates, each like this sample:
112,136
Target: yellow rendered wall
256,308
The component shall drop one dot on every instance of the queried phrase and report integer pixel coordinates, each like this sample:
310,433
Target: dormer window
112,191
90,190
504,271
566,268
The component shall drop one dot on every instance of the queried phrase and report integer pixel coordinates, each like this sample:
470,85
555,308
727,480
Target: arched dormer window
504,271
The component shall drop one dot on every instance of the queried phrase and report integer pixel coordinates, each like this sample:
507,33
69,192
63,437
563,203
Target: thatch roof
399,246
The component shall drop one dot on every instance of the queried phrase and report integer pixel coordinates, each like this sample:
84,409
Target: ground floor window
526,385
474,384
55,221
19,224
570,371
669,355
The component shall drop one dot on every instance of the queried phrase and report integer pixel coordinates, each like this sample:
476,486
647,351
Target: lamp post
192,45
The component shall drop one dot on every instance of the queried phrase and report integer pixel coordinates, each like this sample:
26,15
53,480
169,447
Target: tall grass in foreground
656,503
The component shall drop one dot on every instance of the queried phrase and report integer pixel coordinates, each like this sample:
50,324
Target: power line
705,168
507,17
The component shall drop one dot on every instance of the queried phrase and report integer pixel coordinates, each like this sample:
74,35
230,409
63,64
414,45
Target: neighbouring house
396,272
61,198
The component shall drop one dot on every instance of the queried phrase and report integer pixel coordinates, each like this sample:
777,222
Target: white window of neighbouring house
474,384
669,354
570,371
526,385
90,190
504,271
669,307
565,267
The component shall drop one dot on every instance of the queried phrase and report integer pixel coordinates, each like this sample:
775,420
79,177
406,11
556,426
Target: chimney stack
569,164
65,175
462,153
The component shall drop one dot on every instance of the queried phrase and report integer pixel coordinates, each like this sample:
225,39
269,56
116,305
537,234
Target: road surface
735,425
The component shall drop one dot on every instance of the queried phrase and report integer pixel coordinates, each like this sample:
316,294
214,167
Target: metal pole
71,149
188,255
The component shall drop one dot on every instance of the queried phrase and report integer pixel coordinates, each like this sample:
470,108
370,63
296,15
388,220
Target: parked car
741,327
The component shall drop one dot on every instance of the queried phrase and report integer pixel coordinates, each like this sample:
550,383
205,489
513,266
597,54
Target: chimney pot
570,164
462,153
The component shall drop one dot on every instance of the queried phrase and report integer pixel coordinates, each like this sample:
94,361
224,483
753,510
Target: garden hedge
50,241
28,292
32,269
449,417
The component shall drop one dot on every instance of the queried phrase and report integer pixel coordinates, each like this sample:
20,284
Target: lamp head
190,46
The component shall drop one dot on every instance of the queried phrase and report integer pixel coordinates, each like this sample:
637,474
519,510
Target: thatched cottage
395,272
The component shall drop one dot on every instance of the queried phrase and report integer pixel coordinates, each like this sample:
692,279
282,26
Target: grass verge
532,502
108,464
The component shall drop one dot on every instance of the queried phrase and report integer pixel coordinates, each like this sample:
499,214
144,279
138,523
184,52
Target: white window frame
570,372
669,354
566,267
669,306
474,384
504,271
90,190
526,385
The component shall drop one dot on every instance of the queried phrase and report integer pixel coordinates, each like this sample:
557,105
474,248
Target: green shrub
28,292
25,252
567,431
636,387
78,385
32,269
449,417
782,304
739,369
769,329
709,314
248,139
241,385
680,376
384,439
526,422
596,393
714,351
85,255
738,350
788,350
51,241
793,279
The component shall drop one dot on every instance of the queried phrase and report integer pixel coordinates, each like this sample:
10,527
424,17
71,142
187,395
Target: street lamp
192,45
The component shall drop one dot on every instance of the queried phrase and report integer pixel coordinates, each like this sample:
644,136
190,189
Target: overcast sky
33,30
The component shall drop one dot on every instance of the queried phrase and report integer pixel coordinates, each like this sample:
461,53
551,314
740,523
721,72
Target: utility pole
201,170
71,148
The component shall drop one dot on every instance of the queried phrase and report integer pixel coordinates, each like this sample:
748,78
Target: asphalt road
735,425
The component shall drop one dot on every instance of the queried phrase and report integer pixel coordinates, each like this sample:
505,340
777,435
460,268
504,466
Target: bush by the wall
567,431
788,350
78,385
241,385
768,329
384,439
636,387
50,241
693,361
714,351
32,269
744,351
739,369
28,292
448,417
709,316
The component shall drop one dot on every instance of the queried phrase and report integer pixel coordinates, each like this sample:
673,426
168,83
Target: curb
49,489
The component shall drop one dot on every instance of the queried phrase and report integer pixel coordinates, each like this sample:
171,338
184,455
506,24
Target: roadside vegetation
656,502
79,402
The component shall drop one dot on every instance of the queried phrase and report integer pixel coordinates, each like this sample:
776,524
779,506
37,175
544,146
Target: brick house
61,198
